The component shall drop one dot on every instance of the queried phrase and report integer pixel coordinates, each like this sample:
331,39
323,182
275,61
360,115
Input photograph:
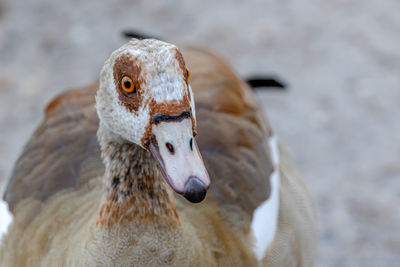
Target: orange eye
187,75
127,85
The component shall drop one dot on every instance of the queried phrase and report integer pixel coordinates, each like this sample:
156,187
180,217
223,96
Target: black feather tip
269,82
137,35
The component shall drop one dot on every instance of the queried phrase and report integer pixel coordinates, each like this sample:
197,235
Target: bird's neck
135,190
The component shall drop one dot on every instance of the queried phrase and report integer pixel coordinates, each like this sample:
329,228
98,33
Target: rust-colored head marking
141,79
182,65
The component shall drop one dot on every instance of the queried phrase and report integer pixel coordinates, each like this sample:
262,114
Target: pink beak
176,152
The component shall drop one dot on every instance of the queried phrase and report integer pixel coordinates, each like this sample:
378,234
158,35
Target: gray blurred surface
340,119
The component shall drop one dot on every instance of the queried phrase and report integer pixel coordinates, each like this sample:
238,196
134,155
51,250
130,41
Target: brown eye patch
126,72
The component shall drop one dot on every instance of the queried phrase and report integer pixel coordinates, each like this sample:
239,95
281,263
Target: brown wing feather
62,152
232,133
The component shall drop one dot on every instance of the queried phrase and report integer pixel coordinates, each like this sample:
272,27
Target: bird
169,160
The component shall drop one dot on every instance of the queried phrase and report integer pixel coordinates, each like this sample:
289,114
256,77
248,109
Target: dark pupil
127,84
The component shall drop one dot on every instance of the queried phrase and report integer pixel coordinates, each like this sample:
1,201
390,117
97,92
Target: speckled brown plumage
135,189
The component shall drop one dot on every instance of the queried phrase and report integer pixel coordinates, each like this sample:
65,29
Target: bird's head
144,97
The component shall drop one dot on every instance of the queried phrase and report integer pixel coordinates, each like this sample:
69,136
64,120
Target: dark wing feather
62,152
232,132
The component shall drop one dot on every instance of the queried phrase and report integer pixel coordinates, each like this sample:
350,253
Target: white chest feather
5,218
265,217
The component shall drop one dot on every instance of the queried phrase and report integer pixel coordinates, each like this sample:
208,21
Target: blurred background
340,118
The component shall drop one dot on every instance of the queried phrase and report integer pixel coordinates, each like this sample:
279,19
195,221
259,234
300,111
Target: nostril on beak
170,148
191,144
195,190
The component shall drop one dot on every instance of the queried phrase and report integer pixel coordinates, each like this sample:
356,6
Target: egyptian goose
125,197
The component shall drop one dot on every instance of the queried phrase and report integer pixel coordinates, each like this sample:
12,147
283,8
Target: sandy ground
340,118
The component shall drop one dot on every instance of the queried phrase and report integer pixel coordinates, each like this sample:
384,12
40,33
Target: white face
144,97
159,78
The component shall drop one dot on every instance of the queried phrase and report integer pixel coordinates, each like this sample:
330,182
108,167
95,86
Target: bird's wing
232,132
63,151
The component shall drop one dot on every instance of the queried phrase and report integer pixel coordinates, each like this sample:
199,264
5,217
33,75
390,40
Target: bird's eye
187,75
127,85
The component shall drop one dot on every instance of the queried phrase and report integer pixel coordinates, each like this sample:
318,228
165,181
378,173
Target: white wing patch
5,218
265,217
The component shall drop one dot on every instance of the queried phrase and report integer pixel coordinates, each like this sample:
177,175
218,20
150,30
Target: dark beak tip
195,190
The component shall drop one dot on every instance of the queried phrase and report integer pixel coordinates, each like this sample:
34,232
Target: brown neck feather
135,189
